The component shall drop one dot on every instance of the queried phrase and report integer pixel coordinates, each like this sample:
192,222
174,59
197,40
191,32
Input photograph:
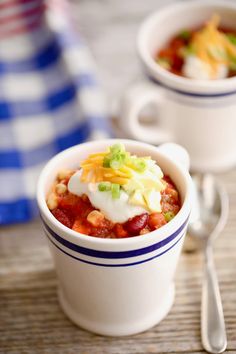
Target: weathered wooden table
31,320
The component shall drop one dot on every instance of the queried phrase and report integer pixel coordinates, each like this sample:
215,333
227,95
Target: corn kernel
63,174
61,188
52,201
144,231
95,217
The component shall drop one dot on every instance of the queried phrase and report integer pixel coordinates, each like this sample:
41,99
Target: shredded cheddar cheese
212,46
117,172
94,171
115,165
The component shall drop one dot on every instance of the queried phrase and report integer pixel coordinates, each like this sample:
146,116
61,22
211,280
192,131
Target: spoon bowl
210,209
209,215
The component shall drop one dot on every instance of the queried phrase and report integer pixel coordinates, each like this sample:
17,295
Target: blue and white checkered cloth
49,100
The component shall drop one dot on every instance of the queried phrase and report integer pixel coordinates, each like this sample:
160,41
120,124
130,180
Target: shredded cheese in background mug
208,53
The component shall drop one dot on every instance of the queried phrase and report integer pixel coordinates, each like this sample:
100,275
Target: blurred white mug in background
198,114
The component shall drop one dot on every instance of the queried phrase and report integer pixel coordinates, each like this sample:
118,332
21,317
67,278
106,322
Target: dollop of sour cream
119,184
116,210
195,68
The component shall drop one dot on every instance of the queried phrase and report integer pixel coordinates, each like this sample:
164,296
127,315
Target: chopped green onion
106,161
186,51
115,191
184,34
169,215
139,164
232,63
104,186
116,157
117,148
231,38
116,162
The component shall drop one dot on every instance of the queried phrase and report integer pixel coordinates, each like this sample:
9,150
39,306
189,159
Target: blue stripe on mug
190,94
117,265
114,255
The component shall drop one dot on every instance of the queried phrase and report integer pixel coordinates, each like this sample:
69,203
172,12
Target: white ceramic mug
198,114
117,286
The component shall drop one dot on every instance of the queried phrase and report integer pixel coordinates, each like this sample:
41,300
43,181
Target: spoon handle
212,318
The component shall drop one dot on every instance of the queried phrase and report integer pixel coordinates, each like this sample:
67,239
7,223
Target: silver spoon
210,212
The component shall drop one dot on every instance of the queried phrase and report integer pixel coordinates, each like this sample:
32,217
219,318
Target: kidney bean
136,224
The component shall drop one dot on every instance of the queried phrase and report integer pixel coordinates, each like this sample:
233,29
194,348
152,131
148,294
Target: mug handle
134,100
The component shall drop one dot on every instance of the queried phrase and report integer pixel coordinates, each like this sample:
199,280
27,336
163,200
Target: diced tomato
177,63
169,182
63,217
81,227
76,205
173,194
72,211
84,209
100,232
170,207
120,232
68,200
166,53
227,30
170,195
103,229
156,220
176,44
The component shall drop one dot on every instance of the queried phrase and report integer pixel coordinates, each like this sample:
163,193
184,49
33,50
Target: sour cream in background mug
198,114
